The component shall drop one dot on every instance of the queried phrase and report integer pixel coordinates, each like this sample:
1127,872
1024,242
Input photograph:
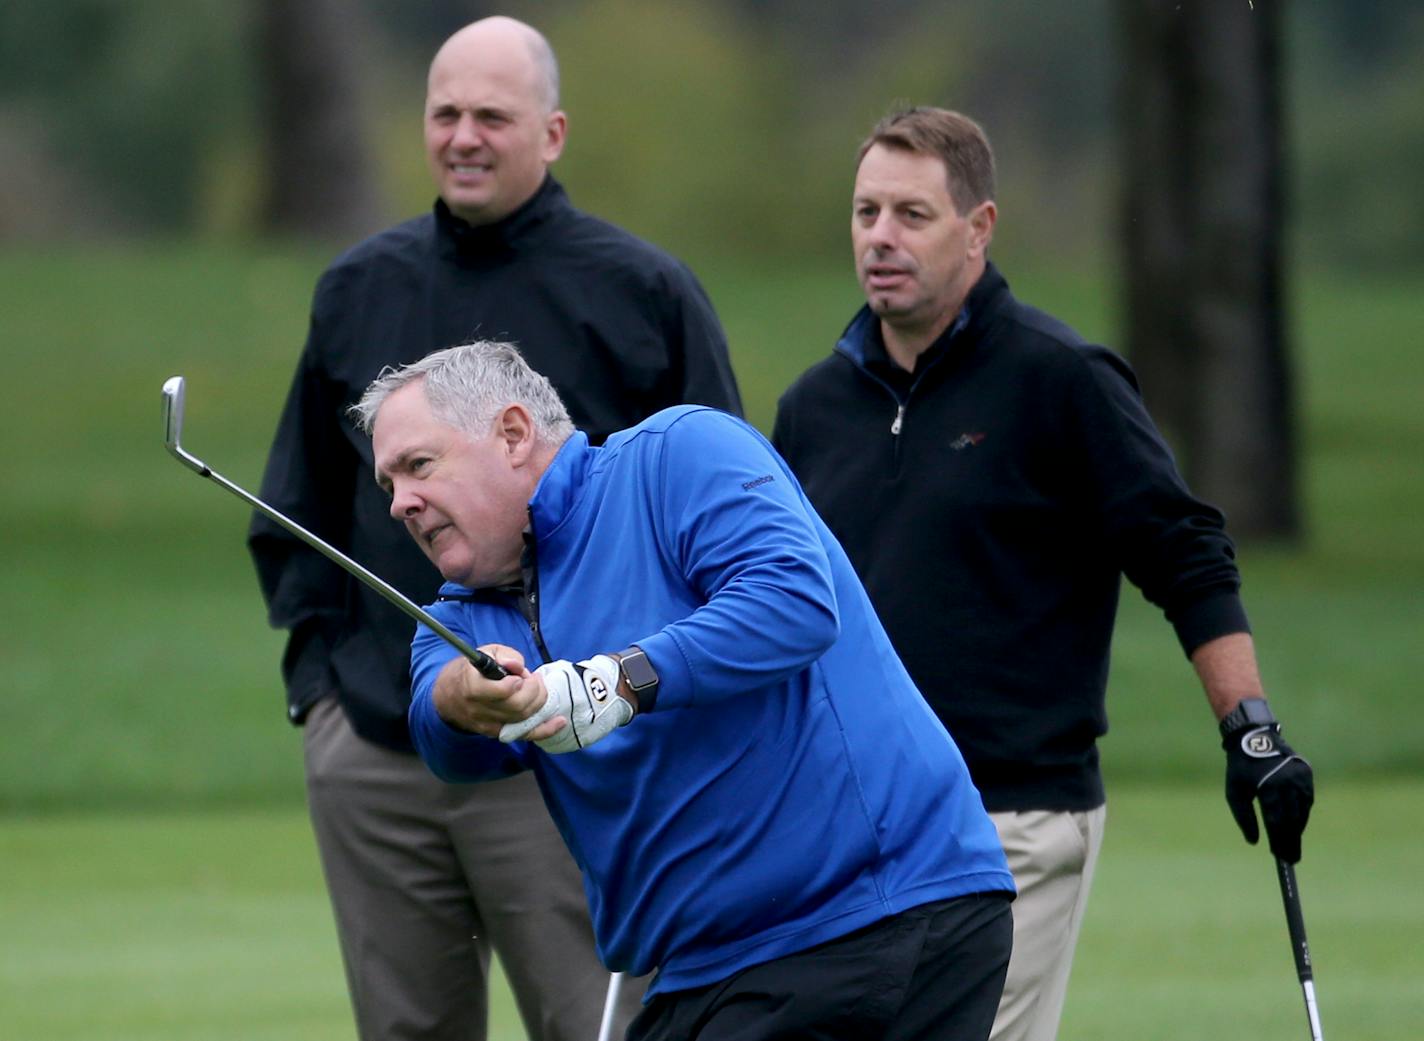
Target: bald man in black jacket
426,878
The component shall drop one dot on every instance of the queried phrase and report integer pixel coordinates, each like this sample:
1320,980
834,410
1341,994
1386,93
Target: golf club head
173,424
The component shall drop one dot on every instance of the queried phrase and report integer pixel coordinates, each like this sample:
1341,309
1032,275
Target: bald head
492,123
476,41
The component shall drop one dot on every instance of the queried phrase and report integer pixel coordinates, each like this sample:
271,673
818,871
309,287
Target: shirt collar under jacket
862,343
471,241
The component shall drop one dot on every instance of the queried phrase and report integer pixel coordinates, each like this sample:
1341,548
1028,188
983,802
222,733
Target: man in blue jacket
764,809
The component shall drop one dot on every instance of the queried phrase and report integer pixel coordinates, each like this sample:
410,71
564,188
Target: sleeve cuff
1202,621
456,755
674,676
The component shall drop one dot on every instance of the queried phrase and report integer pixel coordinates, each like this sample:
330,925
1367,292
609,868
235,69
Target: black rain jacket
621,328
990,501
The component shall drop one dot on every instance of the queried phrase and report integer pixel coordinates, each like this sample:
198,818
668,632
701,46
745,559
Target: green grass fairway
210,926
1186,938
215,926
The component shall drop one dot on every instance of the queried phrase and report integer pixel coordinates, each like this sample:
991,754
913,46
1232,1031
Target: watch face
639,670
1251,712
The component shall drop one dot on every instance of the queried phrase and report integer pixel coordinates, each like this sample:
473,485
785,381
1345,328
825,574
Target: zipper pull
899,420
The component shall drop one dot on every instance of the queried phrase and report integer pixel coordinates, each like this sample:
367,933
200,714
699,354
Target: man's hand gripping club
561,706
1260,766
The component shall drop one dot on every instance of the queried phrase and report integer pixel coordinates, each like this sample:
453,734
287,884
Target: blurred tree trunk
320,176
1203,168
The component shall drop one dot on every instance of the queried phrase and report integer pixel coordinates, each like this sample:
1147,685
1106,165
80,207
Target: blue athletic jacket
790,785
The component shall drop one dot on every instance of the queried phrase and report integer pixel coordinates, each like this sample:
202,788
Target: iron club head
173,424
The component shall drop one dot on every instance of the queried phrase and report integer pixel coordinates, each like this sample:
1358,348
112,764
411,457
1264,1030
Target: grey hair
468,385
548,66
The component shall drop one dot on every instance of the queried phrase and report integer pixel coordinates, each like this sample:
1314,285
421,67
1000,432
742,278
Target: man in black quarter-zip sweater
992,477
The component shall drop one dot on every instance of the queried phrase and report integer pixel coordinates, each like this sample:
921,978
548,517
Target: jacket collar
862,343
472,242
561,484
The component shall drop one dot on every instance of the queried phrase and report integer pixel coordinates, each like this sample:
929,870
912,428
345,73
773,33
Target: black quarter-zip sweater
621,328
990,501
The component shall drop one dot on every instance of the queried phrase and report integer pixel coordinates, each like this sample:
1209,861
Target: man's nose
404,503
467,132
882,234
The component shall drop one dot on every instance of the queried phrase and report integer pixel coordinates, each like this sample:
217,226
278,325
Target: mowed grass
214,926
184,926
1185,936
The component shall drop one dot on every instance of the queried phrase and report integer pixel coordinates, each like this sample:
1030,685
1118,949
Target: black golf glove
1260,765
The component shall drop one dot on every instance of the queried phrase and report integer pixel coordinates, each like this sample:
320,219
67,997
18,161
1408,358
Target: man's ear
514,426
556,129
981,225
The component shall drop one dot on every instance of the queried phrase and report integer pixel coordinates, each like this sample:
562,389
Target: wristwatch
642,679
1251,712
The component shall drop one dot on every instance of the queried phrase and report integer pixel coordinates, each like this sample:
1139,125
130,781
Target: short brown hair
954,138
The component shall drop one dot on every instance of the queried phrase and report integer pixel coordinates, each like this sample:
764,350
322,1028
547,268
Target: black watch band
1251,712
640,675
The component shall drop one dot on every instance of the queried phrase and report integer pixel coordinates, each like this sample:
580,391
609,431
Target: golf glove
586,694
1260,765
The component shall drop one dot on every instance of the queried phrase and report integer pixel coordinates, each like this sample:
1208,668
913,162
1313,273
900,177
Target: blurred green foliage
126,101
716,128
1359,147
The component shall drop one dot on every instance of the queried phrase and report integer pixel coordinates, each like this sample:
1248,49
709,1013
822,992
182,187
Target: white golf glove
586,694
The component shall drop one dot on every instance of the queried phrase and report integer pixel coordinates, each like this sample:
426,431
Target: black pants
934,971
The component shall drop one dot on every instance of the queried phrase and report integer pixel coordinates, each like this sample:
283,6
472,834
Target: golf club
1295,922
610,1006
173,426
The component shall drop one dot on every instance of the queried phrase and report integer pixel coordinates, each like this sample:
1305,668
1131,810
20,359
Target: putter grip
1295,920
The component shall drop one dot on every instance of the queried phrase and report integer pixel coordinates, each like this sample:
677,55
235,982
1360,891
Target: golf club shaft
610,1007
1300,948
173,394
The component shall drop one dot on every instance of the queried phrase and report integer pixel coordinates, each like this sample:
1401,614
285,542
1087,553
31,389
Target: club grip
487,666
1295,920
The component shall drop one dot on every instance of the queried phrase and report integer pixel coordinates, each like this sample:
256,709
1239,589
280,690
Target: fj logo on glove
596,687
1260,743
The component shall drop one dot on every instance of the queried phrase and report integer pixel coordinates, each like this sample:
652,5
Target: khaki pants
426,878
1052,856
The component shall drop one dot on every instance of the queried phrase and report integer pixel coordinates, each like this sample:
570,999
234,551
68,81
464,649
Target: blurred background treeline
724,126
